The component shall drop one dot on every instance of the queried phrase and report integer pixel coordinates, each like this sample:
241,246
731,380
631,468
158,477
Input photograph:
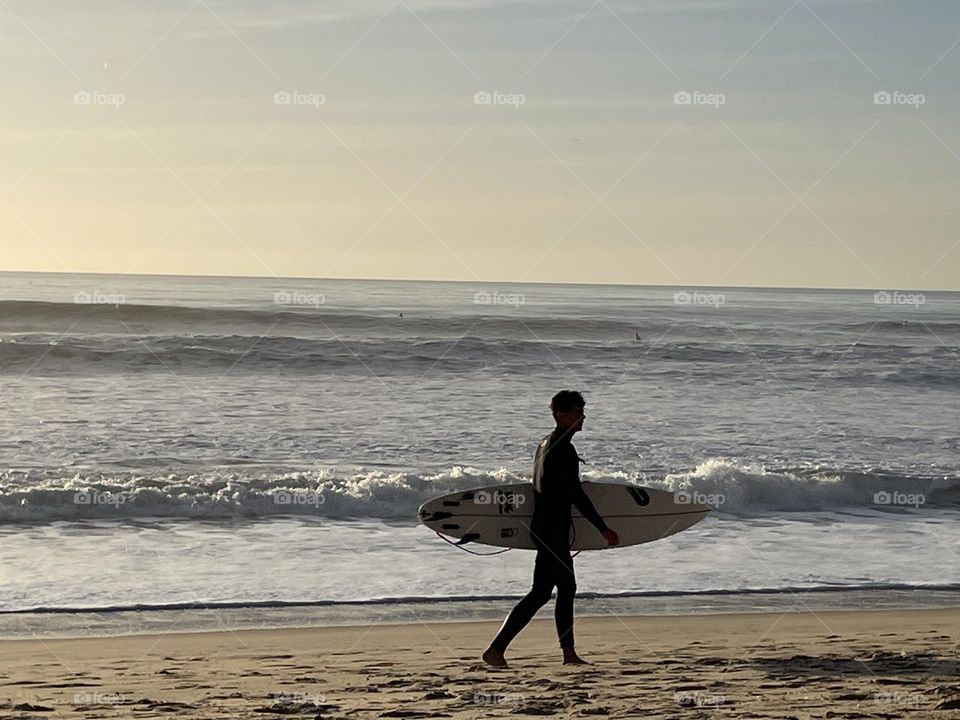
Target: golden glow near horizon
686,142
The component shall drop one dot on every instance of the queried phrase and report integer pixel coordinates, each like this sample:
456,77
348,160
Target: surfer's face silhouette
570,420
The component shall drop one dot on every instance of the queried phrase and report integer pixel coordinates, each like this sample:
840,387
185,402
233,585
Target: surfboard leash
498,552
467,550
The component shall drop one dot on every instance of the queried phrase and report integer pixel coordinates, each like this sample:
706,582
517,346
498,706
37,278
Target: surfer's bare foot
494,658
570,657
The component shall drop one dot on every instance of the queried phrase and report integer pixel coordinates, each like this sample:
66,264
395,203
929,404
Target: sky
799,143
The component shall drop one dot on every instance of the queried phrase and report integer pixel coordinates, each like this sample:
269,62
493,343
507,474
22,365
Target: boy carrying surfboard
556,487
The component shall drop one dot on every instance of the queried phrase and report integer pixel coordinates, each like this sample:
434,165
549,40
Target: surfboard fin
469,537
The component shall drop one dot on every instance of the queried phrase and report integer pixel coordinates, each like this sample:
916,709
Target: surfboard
500,515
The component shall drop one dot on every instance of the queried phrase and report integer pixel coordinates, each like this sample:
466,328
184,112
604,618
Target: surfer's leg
539,595
566,591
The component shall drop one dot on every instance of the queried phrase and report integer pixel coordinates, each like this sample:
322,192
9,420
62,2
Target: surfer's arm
580,499
583,504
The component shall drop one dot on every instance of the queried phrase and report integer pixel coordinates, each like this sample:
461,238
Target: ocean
179,450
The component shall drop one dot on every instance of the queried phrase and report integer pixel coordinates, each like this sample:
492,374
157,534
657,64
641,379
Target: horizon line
476,282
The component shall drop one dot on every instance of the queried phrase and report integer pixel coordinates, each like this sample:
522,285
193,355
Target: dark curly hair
566,400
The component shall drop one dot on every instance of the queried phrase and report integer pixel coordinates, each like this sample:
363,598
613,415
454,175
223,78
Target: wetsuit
556,486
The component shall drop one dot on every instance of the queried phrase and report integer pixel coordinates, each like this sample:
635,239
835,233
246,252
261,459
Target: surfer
556,486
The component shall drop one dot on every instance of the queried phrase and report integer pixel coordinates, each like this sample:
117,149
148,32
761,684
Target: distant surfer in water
556,486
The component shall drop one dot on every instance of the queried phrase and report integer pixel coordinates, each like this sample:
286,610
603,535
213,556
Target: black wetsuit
556,486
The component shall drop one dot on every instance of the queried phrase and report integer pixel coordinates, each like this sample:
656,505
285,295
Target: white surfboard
500,515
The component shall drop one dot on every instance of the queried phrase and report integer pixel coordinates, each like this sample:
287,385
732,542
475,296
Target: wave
736,489
48,496
653,323
36,311
747,489
120,354
447,599
51,354
238,352
296,307
454,321
915,326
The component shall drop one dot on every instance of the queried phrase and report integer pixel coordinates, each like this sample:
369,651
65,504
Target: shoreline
106,623
893,663
426,600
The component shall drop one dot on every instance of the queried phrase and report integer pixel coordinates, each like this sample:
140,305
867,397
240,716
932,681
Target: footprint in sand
296,708
539,707
165,706
438,695
24,682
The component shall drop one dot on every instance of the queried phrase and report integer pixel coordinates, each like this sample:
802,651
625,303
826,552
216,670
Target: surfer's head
567,408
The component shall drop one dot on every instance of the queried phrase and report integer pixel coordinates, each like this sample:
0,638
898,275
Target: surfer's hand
611,537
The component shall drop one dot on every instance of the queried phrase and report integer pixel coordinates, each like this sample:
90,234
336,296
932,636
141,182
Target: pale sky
147,137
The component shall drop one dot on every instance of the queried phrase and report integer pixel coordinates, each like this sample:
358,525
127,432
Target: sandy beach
839,664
